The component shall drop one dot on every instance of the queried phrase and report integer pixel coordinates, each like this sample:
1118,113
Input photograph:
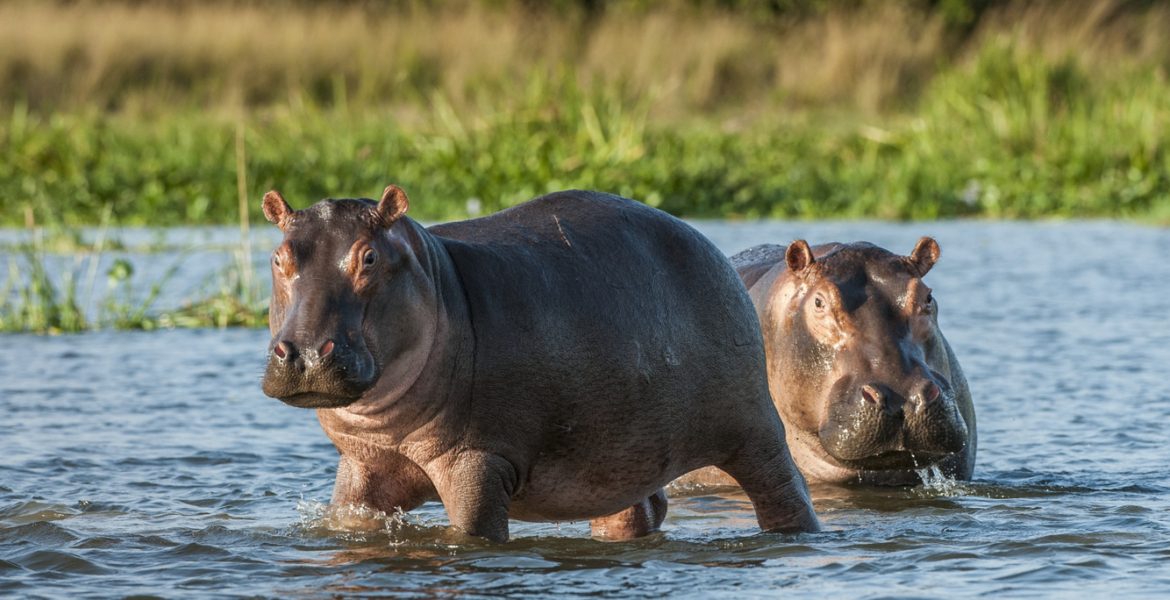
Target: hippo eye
369,258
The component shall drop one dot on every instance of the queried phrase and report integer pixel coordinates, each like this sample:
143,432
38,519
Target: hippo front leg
477,491
389,483
777,490
636,521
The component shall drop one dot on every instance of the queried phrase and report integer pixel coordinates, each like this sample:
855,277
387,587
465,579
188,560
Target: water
150,463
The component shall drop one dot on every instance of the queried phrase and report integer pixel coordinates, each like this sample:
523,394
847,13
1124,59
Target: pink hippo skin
560,360
867,387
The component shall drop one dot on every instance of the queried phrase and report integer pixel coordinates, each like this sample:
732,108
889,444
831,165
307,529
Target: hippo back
572,275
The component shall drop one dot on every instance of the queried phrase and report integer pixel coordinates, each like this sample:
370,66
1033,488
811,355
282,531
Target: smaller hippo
560,360
867,386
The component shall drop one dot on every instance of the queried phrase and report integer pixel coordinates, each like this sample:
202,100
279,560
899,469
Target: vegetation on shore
1005,137
178,113
811,109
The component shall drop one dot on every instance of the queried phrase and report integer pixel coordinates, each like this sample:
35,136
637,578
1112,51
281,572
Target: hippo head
859,354
350,305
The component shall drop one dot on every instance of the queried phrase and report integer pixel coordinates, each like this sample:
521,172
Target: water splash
936,483
359,523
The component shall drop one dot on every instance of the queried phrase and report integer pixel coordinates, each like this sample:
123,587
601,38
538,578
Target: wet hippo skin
868,388
560,360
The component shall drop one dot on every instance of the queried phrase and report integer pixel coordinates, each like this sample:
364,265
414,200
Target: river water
151,463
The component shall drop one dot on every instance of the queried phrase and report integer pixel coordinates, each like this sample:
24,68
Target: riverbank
159,115
1017,112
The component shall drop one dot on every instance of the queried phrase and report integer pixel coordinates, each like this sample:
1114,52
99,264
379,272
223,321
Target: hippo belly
566,482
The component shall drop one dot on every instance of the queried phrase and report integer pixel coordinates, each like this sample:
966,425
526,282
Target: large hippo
560,360
867,386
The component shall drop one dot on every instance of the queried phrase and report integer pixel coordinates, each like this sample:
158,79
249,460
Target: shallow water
151,463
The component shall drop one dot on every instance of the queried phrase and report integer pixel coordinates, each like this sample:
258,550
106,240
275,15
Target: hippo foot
636,521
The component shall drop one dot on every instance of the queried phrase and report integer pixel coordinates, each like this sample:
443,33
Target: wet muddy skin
151,463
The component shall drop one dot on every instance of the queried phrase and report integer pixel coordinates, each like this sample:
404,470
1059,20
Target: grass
150,56
178,113
1009,135
999,110
30,301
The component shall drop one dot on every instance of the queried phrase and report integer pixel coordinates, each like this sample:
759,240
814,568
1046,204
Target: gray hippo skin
560,360
867,386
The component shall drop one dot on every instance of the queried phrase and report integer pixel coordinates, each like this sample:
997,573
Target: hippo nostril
283,350
883,399
325,349
926,394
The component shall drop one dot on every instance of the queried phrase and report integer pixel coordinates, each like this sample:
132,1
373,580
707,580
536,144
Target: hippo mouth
314,392
318,400
895,460
330,393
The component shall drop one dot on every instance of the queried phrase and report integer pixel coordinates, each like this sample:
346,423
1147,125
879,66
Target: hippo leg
777,490
636,521
392,483
477,495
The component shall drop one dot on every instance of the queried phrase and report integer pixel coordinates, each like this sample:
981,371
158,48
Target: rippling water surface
151,463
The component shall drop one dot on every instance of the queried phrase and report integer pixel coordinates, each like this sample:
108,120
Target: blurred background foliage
159,112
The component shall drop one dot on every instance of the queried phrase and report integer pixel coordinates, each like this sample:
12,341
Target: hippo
560,360
868,388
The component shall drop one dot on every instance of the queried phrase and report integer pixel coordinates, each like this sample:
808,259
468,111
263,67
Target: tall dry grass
1102,34
146,56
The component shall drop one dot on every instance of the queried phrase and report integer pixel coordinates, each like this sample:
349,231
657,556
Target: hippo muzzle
329,374
872,426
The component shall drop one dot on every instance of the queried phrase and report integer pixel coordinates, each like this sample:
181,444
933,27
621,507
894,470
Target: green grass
1010,135
1008,132
30,301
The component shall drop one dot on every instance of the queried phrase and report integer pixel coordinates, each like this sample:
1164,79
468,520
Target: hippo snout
921,398
873,426
326,374
286,352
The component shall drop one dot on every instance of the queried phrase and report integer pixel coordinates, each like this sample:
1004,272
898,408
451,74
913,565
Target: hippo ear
798,256
276,210
392,205
924,255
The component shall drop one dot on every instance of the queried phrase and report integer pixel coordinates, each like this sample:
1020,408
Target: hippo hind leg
636,521
777,490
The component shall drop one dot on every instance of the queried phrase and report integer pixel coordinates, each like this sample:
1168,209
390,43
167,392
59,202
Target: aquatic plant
29,300
234,300
33,300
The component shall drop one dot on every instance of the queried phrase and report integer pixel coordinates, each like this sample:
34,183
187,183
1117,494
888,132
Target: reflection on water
135,463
